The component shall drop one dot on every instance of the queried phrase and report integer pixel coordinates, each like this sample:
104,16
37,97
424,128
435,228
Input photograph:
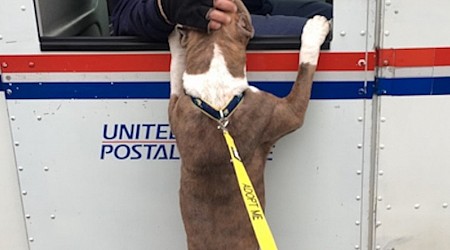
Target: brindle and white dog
212,67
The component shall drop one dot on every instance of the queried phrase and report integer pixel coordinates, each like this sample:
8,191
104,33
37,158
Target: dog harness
252,204
218,115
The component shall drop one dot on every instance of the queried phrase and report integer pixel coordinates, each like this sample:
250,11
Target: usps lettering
147,141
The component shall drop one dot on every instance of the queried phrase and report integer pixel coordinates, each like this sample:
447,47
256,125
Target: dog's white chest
217,86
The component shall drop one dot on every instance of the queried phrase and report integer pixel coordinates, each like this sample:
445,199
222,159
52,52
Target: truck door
98,165
413,86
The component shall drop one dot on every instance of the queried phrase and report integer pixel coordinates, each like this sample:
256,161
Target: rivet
16,143
27,216
20,168
360,146
23,8
39,117
358,197
356,246
357,223
13,118
381,146
385,62
381,173
383,119
388,3
46,169
378,247
31,64
360,119
361,62
362,91
379,198
363,33
378,223
358,172
343,33
31,239
417,206
52,216
9,92
24,192
396,12
387,33
388,207
445,205
4,65
1,37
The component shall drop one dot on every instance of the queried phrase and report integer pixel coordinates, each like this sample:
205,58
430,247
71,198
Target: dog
210,69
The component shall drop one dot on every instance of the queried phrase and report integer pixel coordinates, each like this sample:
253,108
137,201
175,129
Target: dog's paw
314,33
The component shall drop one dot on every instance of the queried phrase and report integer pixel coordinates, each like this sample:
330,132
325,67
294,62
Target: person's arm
155,19
140,18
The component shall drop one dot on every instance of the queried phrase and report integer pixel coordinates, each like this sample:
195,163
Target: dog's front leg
177,68
290,111
177,62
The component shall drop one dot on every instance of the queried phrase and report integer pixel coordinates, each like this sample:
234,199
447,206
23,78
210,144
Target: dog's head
198,47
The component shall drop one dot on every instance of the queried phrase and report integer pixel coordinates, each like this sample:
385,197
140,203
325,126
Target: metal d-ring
223,122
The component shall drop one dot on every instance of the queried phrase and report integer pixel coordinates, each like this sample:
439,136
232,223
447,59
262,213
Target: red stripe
161,62
86,63
414,57
273,61
442,57
289,61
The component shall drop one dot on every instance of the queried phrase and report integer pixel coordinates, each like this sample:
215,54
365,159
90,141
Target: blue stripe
322,90
89,90
161,90
413,86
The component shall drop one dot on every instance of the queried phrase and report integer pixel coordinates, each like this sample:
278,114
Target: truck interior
83,25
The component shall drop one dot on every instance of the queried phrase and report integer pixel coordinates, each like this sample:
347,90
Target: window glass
66,18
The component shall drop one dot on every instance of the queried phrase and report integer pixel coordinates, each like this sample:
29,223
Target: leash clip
223,122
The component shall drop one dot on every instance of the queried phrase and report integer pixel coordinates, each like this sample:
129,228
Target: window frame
133,43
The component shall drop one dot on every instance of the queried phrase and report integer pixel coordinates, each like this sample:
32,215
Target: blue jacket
258,7
141,18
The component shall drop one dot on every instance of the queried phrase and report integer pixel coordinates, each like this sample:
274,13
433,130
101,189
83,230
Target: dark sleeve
258,7
139,18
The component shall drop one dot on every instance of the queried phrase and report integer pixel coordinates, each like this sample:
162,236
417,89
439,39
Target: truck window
83,25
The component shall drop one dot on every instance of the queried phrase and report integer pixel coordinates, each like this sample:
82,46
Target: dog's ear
178,37
183,37
245,24
245,21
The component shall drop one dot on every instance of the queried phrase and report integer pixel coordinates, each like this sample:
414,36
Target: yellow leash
252,204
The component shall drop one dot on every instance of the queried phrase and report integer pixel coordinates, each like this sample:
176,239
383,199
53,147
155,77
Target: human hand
201,14
221,13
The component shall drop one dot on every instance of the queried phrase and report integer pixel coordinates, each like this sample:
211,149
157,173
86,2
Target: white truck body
87,160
